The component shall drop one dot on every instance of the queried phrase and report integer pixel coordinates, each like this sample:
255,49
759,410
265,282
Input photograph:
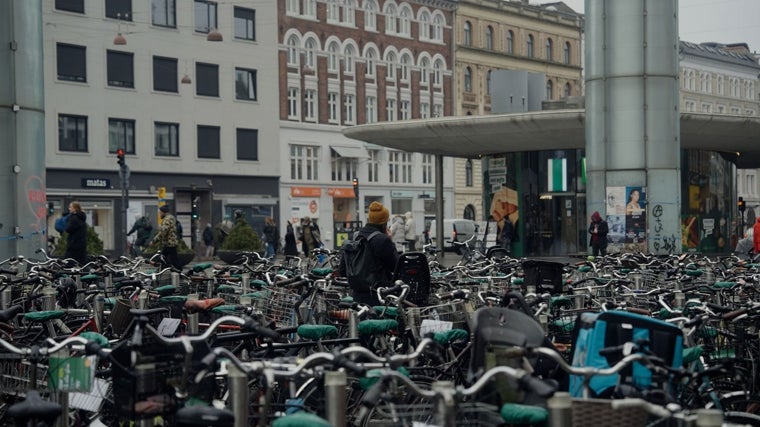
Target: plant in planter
241,238
184,253
94,244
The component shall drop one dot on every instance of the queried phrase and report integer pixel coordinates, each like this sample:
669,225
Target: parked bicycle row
492,340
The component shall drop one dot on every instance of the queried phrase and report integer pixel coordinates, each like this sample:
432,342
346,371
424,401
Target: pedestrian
383,257
598,230
310,236
208,240
271,235
76,230
410,232
507,235
221,232
166,237
143,228
291,248
398,234
756,236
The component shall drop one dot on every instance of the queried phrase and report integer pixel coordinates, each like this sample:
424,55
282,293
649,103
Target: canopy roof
737,137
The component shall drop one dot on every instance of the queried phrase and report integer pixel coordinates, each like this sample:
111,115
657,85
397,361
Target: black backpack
361,267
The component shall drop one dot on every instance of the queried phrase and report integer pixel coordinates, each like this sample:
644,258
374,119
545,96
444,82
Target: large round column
22,135
632,112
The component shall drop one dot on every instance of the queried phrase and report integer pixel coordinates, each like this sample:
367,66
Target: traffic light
120,155
742,206
51,209
195,209
356,185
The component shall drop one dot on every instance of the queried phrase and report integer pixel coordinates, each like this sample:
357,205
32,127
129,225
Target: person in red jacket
756,236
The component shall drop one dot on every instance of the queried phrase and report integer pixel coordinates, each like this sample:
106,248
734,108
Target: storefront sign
341,193
96,183
304,206
402,194
305,191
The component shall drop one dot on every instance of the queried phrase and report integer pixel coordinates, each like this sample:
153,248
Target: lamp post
356,197
124,177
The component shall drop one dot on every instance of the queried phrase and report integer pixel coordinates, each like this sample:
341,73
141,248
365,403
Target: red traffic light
120,152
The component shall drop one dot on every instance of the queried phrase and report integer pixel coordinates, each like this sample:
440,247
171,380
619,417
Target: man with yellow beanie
382,259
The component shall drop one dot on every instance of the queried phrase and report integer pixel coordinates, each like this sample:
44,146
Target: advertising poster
303,206
626,218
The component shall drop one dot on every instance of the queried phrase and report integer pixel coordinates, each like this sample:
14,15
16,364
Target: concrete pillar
632,112
22,135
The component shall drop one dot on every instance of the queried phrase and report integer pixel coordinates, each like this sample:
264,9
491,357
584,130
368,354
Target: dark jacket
272,236
76,240
291,248
144,228
382,247
600,237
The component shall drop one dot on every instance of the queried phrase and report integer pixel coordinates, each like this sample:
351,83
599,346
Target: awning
353,152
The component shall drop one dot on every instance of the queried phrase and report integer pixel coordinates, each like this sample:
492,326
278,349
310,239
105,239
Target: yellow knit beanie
378,214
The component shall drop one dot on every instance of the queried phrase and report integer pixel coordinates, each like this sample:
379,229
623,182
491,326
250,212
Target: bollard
238,385
97,311
353,325
709,418
48,299
335,392
245,282
193,327
560,407
5,298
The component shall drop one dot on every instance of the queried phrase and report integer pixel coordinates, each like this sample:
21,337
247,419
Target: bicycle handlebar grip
392,289
731,315
718,307
537,385
251,326
344,362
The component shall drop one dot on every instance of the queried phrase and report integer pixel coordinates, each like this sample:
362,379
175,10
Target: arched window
370,15
549,48
467,33
406,64
349,55
510,42
469,212
424,72
371,57
529,51
390,66
438,72
468,79
568,90
391,17
549,89
333,61
311,48
293,50
424,26
488,82
489,37
405,21
567,53
438,23
468,173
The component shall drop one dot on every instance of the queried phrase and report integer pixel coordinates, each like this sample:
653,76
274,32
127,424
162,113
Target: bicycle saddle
204,416
34,407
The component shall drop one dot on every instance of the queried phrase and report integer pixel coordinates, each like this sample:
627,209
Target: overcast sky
723,21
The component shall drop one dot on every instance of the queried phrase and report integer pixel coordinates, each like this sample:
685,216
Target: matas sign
96,183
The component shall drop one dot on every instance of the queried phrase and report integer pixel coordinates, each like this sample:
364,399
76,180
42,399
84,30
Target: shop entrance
561,225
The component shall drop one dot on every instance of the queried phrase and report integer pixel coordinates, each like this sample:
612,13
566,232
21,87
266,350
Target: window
292,7
424,26
333,107
119,9
165,74
205,16
488,82
438,73
468,79
247,144
390,66
333,11
469,212
390,18
373,165
424,110
370,15
404,21
467,33
706,108
304,162
310,105
120,69
310,51
549,89
510,42
167,139
294,112
72,133
164,13
424,72
391,112
245,84
333,63
529,51
568,90
437,110
400,167
406,110
427,169
309,9
489,37
703,81
207,79
468,173
721,86
371,61
406,63
121,134
567,53
371,109
349,12
72,62
549,50
70,5
208,142
343,168
245,24
348,66
293,50
438,23
350,108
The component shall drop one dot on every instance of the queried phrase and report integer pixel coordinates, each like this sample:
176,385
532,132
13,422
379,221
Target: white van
454,230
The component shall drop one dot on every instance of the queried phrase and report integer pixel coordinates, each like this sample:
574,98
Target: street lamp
356,196
124,177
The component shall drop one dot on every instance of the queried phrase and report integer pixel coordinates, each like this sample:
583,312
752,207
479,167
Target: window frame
169,76
74,6
530,48
208,148
114,8
304,162
240,149
170,8
204,71
81,137
212,22
239,20
116,68
467,33
250,81
173,136
81,50
129,140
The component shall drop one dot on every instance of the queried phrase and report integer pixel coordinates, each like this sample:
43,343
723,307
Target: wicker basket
120,317
600,413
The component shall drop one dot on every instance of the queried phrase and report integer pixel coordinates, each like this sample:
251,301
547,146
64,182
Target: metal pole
335,387
238,394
